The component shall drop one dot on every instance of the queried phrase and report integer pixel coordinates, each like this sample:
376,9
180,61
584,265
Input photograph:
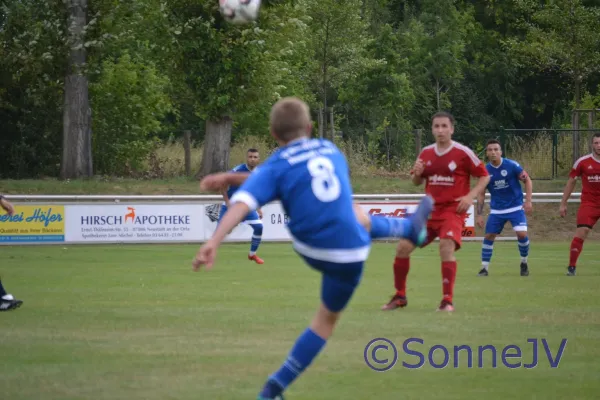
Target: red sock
401,267
448,276
576,247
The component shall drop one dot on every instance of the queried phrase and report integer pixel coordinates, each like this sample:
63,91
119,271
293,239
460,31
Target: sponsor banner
274,222
401,209
33,224
134,223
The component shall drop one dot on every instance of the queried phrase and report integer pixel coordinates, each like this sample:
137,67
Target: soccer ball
239,11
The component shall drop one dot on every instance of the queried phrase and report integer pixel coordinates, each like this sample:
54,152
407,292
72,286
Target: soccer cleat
278,397
419,221
256,259
397,301
446,305
8,302
571,271
524,269
483,272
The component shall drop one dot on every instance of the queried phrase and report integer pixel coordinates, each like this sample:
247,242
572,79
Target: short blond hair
290,118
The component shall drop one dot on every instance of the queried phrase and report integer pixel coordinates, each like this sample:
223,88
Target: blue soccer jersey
505,186
239,168
311,179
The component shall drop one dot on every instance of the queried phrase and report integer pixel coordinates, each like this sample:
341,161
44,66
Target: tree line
90,87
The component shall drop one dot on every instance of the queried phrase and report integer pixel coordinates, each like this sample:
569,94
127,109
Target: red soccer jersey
588,168
448,174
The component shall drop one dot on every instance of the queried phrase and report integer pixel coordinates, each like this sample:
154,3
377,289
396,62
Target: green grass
134,322
174,186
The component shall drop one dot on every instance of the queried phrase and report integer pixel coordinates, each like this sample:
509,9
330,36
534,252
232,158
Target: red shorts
588,215
445,224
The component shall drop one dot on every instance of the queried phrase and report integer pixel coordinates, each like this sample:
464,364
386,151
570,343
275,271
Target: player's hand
480,221
563,210
418,168
464,203
528,207
260,214
7,206
213,182
205,256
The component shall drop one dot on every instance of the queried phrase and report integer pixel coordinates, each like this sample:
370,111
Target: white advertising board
133,223
274,224
400,209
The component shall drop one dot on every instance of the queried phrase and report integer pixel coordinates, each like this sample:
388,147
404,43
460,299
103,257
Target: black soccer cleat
483,272
571,271
8,303
524,269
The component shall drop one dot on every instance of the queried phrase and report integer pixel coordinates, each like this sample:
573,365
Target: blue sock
256,238
486,252
307,347
523,248
2,291
383,227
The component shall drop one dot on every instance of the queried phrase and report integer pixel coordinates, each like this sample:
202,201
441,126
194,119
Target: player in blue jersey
506,205
311,179
254,218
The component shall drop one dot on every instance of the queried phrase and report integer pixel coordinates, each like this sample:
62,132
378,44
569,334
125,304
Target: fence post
554,154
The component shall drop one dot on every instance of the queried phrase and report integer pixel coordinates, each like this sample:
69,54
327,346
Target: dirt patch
545,223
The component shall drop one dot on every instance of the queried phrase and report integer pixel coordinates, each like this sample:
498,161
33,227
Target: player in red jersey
588,168
446,167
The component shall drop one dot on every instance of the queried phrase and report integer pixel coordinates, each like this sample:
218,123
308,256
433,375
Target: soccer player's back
588,169
311,179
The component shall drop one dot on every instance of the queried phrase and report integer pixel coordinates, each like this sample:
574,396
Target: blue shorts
495,223
251,218
339,281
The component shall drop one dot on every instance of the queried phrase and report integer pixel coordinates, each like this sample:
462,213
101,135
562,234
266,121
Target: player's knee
404,248
324,321
490,236
258,229
521,234
447,249
582,232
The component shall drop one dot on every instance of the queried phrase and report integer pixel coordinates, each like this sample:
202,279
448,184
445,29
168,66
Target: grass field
134,322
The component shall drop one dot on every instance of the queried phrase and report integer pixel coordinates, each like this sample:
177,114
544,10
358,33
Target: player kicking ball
446,168
254,217
311,179
588,169
506,205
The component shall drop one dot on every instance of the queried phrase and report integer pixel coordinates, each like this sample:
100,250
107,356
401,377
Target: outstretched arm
216,182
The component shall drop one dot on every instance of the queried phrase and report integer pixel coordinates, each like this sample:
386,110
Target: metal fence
546,153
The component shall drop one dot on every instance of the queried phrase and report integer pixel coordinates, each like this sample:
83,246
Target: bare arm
567,192
480,202
480,187
216,182
234,215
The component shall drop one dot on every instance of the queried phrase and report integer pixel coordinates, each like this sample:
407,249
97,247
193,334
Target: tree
226,69
562,36
339,39
77,118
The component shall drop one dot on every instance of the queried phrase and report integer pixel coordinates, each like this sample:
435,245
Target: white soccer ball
239,11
